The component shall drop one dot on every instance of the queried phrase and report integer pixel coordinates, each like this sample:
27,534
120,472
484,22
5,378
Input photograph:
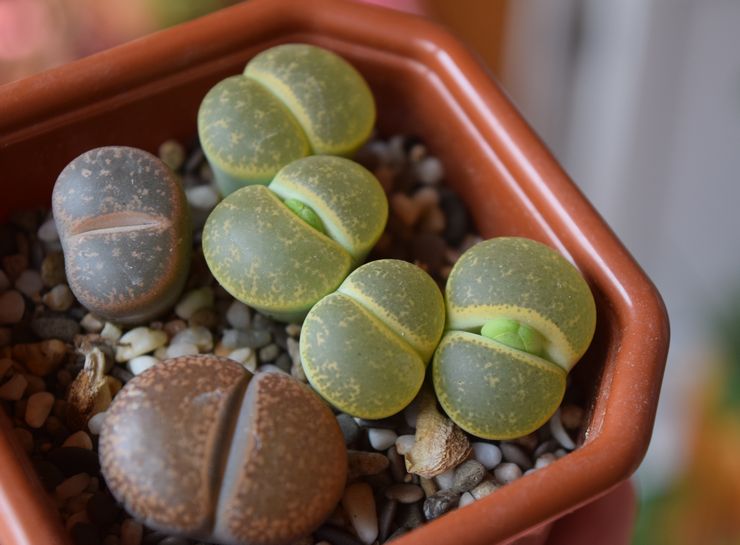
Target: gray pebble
545,460
233,338
269,353
29,283
385,518
55,327
483,489
121,373
284,362
349,428
410,515
238,315
507,472
260,322
398,466
429,170
257,338
381,439
468,475
515,454
456,214
440,503
404,493
547,446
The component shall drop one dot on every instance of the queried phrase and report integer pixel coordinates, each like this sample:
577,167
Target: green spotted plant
365,347
292,101
519,316
282,247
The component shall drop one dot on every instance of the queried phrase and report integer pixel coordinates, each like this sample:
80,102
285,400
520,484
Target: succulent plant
125,229
198,446
282,247
365,347
519,316
292,100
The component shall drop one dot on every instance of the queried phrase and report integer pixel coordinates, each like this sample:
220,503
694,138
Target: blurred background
640,102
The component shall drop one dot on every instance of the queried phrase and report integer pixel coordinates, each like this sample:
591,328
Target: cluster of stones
61,366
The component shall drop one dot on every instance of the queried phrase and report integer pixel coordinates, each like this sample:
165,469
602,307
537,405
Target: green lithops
292,101
280,248
519,316
366,346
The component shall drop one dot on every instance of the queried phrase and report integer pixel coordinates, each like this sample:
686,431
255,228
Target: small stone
29,283
12,307
483,489
14,265
52,270
404,493
398,467
297,372
131,532
294,350
558,432
25,438
428,486
547,446
55,327
487,454
385,518
48,473
270,368
466,499
246,357
35,384
359,504
572,416
95,424
456,216
515,454
193,301
350,429
122,374
173,327
48,231
79,439
428,249
468,475
172,154
182,349
234,338
38,408
269,353
260,322
4,282
527,442
440,503
405,208
293,330
199,336
429,170
59,298
72,486
381,439
445,480
139,364
139,341
507,472
6,364
111,332
404,444
91,323
202,197
362,464
433,221
256,338
204,317
545,460
13,389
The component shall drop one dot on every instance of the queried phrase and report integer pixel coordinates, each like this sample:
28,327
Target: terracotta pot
425,83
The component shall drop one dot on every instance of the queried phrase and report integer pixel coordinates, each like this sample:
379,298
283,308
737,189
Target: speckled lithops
282,247
197,446
125,230
365,347
519,316
292,100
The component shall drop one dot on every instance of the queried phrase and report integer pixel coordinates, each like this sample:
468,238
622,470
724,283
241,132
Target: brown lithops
200,447
124,225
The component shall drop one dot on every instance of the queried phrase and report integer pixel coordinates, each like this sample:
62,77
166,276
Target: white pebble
48,231
4,282
558,432
246,357
233,338
95,424
487,454
72,486
12,307
515,454
38,408
446,480
59,298
91,323
161,353
359,504
270,368
14,388
131,532
79,439
294,350
466,499
381,439
545,460
429,170
507,472
202,197
139,341
139,364
182,349
404,444
238,315
111,332
29,283
560,453
198,335
193,301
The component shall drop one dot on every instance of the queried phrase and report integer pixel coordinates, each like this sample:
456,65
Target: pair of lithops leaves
518,317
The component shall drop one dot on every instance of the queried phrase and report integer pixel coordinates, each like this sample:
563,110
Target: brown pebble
41,358
12,307
72,486
52,270
14,389
572,416
385,519
404,493
38,409
405,208
79,439
361,464
14,265
131,532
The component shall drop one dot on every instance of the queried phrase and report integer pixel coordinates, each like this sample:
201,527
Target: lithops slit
519,316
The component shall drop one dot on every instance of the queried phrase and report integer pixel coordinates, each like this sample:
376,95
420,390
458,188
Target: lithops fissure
124,226
365,347
281,248
292,100
197,446
519,316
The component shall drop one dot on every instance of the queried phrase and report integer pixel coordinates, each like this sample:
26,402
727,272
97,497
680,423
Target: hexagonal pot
425,83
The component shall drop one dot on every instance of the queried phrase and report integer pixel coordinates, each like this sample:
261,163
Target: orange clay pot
425,83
